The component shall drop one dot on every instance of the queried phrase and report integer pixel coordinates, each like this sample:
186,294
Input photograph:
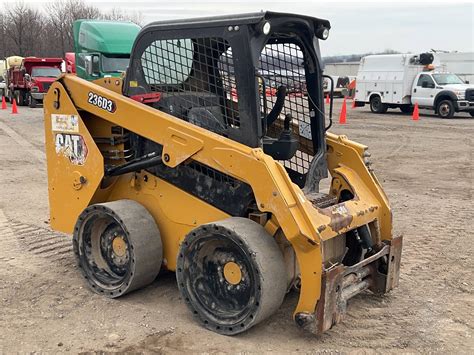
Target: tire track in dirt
41,242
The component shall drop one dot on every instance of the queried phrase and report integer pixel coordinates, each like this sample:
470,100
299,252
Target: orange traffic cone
353,104
416,113
4,103
14,108
327,99
342,116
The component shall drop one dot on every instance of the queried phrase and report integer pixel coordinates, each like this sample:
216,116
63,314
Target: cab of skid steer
254,78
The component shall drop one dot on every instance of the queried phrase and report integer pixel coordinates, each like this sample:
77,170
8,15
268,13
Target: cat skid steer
206,159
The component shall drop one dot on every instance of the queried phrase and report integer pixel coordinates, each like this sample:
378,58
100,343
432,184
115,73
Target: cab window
425,81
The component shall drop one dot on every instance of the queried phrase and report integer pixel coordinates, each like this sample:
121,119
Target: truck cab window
446,79
45,72
425,81
114,64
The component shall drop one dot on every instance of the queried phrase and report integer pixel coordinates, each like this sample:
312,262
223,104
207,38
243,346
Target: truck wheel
31,101
445,109
471,113
231,274
118,247
408,109
376,105
20,97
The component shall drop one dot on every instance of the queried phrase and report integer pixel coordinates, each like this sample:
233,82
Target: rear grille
46,86
320,200
470,94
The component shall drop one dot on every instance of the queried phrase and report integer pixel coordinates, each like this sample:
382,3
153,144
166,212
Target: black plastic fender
443,95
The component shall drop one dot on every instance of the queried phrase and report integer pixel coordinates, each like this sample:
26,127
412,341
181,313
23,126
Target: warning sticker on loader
65,123
305,130
71,146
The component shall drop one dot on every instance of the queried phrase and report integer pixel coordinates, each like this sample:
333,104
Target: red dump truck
29,82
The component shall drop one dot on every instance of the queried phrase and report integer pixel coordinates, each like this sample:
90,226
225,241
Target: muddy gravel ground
426,168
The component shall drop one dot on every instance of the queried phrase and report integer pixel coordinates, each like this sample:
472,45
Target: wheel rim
118,247
220,281
376,104
444,110
105,251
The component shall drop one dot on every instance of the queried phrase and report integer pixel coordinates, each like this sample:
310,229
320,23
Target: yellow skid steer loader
206,159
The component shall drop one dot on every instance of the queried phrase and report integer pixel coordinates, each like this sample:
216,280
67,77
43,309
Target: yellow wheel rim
119,246
232,273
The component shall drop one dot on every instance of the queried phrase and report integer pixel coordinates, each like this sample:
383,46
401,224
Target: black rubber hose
366,238
138,164
279,103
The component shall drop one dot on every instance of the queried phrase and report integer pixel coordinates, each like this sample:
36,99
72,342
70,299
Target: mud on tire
231,275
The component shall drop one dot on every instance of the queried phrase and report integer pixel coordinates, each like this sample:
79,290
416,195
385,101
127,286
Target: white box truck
3,84
402,80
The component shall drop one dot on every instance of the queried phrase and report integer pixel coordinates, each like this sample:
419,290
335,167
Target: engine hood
457,87
42,79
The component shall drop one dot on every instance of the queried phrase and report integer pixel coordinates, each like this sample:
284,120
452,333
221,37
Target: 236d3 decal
101,102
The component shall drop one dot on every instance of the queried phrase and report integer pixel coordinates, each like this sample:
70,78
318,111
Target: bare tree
60,16
25,31
21,27
119,15
3,43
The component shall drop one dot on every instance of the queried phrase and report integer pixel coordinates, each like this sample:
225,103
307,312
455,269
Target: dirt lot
427,170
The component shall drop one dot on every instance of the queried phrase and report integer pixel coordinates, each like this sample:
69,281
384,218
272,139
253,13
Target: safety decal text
71,146
101,102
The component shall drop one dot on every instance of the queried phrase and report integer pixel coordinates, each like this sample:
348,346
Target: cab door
424,91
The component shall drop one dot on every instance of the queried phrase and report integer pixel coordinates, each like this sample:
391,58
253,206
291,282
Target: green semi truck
103,48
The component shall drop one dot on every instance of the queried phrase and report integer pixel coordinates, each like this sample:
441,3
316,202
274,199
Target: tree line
47,32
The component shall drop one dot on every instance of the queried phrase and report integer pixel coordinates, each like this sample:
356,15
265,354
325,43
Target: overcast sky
357,27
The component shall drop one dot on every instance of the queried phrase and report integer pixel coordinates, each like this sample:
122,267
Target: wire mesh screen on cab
282,64
196,80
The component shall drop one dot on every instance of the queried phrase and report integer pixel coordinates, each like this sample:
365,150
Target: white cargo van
402,80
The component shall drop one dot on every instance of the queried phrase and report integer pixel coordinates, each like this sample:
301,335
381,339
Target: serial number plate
101,102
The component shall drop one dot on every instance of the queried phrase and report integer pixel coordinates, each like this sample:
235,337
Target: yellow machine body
73,128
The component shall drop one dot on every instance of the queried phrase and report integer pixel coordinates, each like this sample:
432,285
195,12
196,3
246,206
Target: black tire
118,247
471,113
230,303
445,109
31,101
376,105
408,109
21,98
16,97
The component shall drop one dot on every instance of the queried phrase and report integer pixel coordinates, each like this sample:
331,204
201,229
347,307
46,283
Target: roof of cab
105,36
232,20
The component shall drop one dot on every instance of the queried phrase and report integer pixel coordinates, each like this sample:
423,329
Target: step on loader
207,159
